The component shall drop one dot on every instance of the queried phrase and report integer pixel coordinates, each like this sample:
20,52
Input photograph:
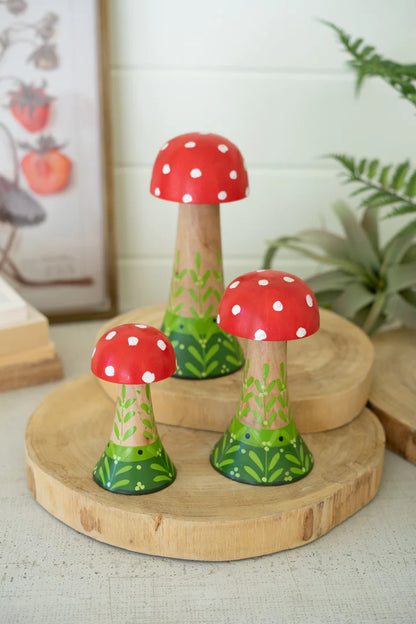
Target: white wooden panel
280,203
254,33
275,120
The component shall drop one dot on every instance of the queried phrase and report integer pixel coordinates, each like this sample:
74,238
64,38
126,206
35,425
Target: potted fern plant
368,282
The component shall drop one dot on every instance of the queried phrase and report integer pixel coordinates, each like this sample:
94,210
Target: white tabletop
363,571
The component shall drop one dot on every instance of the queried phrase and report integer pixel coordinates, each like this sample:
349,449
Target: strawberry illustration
46,168
30,105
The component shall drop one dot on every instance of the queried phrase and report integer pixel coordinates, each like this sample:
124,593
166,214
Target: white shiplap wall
273,79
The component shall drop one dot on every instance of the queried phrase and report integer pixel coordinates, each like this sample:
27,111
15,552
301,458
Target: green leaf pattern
262,457
203,350
270,396
144,412
143,469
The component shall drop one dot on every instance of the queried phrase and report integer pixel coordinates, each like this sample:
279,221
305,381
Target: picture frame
57,220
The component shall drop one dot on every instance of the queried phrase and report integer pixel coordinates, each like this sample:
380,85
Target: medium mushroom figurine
262,445
199,171
134,460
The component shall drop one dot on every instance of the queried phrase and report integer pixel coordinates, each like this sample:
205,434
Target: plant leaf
123,469
120,483
129,432
400,175
192,350
401,276
128,416
359,243
403,310
369,223
275,474
330,280
354,297
332,244
252,473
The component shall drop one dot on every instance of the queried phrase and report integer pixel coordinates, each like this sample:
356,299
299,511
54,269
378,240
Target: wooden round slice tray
393,394
329,379
202,515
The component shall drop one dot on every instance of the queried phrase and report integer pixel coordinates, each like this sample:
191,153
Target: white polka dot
133,341
187,198
110,335
278,306
260,335
157,191
223,148
190,144
233,174
260,270
247,192
309,300
141,326
218,319
161,344
164,147
222,195
301,332
288,279
234,284
166,168
148,377
263,282
93,353
196,173
109,371
236,310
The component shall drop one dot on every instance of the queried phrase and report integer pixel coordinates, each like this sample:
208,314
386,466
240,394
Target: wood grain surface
393,394
202,515
329,377
30,373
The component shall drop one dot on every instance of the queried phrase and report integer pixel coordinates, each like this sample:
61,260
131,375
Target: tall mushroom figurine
134,460
199,171
262,445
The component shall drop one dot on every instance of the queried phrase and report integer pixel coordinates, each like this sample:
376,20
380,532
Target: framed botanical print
57,245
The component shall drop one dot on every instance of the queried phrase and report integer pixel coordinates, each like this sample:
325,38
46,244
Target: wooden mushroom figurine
199,171
134,460
262,445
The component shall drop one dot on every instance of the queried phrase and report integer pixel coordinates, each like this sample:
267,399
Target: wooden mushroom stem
264,389
134,422
197,280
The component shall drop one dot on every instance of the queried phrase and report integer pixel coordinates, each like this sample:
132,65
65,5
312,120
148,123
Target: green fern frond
366,62
385,185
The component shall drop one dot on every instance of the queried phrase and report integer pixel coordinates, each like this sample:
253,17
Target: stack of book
27,355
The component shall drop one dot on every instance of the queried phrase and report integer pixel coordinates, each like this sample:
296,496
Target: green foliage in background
369,283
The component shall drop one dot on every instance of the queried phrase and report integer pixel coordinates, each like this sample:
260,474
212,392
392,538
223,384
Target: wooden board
329,379
202,515
393,394
31,373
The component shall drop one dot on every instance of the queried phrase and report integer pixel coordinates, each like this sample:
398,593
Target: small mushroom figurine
262,445
134,460
199,171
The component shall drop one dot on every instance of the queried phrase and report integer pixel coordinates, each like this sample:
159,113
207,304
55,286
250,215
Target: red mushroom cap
133,354
197,168
268,305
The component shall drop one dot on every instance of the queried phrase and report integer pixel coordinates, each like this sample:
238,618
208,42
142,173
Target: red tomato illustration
46,168
30,105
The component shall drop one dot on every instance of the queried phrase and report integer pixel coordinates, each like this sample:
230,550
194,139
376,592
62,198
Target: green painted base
134,469
261,456
203,350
